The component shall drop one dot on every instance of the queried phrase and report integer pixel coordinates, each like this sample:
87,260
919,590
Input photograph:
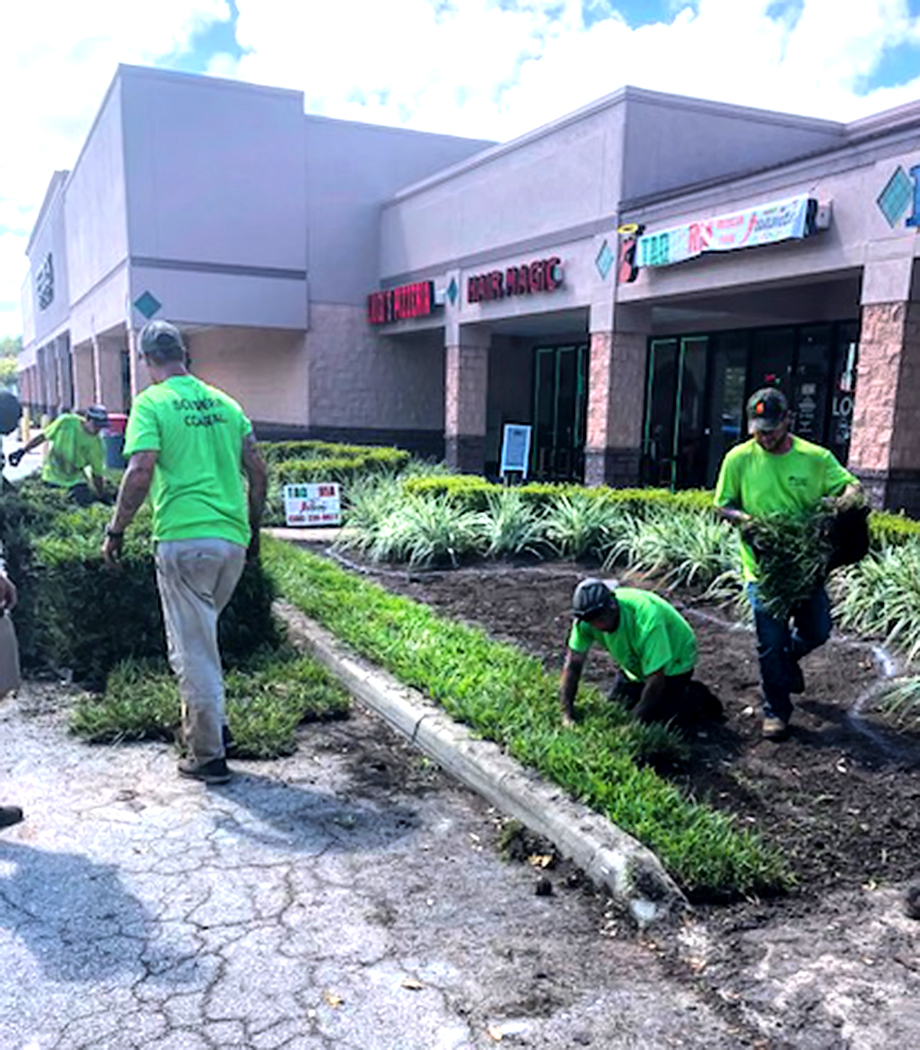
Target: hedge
76,614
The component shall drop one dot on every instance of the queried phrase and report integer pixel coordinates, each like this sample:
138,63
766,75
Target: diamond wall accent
453,291
604,261
147,304
895,198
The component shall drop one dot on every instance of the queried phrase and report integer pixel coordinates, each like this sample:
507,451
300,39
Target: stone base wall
465,453
617,467
892,489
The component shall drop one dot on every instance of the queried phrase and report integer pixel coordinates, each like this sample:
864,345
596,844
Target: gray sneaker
774,728
213,772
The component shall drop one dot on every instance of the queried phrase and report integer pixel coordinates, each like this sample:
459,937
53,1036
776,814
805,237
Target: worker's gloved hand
15,458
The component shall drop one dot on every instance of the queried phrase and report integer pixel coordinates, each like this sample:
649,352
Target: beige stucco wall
265,369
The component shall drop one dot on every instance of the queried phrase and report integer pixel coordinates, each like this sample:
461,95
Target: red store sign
543,275
401,304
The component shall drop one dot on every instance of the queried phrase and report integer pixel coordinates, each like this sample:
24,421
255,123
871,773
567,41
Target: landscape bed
840,800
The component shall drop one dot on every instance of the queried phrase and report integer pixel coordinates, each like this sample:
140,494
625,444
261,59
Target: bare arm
568,684
734,515
257,475
131,494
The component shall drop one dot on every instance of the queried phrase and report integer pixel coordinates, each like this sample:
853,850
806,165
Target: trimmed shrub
77,614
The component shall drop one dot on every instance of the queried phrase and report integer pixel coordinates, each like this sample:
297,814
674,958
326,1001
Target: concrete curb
610,857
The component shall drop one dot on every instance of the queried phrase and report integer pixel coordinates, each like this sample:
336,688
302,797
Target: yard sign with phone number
313,504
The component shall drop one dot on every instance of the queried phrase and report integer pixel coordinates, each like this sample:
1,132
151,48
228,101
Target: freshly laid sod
266,703
505,696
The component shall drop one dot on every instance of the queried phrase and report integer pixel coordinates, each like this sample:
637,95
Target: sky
482,68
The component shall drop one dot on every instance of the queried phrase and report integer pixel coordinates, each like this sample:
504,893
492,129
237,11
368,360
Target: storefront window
698,386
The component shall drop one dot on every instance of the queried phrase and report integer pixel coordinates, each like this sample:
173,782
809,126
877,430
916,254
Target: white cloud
482,70
58,58
469,67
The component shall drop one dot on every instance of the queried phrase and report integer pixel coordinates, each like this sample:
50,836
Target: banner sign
312,504
763,224
401,304
515,448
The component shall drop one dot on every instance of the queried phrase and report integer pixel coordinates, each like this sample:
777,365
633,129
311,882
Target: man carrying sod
75,448
190,445
653,647
777,473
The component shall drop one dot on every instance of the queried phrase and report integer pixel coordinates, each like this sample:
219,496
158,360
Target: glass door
560,410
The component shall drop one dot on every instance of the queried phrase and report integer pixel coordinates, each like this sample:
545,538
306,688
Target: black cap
767,408
591,598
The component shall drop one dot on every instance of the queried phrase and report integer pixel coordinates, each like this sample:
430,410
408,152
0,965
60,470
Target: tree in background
10,346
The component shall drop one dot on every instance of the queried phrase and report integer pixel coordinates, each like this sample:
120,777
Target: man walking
190,445
75,448
652,645
776,472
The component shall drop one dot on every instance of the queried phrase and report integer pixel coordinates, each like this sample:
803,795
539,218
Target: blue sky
483,68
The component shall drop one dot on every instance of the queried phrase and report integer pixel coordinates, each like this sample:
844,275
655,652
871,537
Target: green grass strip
265,704
505,695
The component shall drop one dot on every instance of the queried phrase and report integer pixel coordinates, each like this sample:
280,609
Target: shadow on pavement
311,821
77,919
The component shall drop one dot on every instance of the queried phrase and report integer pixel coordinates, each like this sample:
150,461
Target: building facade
619,280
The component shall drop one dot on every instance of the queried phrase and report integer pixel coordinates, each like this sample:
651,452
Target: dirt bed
833,965
840,797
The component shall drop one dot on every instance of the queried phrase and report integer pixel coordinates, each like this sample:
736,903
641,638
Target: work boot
213,772
774,728
10,815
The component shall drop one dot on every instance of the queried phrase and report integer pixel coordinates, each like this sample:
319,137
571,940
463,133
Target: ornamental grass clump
793,552
579,526
510,526
505,695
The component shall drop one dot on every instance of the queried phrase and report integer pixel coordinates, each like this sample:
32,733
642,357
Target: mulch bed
840,797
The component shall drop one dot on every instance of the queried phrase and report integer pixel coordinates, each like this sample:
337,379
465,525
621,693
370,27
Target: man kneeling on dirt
653,647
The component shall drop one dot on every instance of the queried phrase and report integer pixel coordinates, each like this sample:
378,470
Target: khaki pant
196,579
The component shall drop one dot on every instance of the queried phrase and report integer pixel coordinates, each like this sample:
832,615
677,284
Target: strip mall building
620,279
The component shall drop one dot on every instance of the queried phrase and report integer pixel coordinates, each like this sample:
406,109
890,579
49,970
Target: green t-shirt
197,490
651,636
71,451
760,483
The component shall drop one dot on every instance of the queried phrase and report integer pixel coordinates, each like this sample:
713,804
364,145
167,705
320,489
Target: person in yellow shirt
75,449
190,445
777,472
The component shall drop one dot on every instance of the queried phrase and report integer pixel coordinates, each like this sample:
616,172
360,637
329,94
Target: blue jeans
779,649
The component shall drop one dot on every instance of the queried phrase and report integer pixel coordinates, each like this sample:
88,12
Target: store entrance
560,405
698,385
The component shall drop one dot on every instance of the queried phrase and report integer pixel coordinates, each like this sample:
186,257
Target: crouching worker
653,647
75,449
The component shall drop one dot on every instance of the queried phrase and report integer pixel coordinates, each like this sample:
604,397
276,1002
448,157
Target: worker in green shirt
776,472
192,448
75,448
652,645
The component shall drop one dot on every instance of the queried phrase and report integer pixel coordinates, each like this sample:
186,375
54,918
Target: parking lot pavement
350,896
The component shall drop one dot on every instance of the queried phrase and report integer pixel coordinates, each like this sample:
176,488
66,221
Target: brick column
466,385
885,441
616,397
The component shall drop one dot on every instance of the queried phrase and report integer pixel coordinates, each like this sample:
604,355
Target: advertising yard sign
316,505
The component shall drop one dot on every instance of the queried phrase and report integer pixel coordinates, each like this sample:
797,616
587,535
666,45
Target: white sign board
515,448
313,504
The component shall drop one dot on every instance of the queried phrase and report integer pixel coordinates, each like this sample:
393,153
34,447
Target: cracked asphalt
350,896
